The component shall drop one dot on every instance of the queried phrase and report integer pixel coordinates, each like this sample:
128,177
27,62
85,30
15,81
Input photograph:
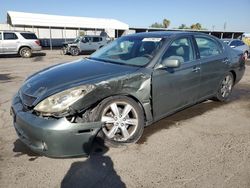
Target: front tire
25,52
74,51
64,50
123,120
225,87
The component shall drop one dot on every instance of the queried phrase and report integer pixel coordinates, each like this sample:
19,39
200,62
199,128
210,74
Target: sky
143,13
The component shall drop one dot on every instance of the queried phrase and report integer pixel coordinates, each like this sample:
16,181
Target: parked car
239,45
23,43
85,43
131,83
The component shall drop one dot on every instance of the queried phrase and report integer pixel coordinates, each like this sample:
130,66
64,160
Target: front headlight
61,101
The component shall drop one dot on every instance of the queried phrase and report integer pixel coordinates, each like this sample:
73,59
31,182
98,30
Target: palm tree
166,23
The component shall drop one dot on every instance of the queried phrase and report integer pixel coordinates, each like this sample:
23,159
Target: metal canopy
45,20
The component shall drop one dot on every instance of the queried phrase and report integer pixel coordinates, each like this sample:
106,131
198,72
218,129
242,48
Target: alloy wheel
120,121
226,86
25,52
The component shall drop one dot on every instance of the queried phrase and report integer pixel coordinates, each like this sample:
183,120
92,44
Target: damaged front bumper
53,137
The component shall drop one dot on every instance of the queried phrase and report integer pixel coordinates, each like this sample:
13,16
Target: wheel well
234,75
23,47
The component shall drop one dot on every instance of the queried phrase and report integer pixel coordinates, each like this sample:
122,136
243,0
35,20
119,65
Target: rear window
207,47
29,35
96,39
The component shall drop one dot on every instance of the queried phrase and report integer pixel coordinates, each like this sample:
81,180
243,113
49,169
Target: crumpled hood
63,76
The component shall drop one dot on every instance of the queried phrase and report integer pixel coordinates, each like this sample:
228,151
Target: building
53,30
216,33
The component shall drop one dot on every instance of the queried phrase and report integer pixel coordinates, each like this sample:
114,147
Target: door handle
226,61
196,69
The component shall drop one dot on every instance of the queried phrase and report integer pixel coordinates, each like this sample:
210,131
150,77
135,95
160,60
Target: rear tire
25,52
225,88
123,121
245,55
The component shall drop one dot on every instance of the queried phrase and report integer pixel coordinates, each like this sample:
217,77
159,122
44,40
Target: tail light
243,57
38,42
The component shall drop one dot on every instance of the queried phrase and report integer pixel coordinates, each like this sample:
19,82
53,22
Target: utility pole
225,26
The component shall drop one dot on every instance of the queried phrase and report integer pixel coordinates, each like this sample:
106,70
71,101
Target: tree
166,23
183,26
157,25
196,26
81,33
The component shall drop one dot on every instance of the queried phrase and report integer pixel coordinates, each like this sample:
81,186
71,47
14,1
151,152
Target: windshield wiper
105,60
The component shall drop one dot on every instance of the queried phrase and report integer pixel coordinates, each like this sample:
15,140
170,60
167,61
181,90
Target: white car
238,45
19,42
84,43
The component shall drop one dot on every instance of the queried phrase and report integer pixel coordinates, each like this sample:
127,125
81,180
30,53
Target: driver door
85,44
175,88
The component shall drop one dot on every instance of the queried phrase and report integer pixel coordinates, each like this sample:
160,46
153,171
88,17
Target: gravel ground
207,145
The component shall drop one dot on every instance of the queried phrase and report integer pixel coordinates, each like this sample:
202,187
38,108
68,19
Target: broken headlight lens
60,102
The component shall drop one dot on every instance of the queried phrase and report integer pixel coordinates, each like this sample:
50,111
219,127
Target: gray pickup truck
84,43
19,42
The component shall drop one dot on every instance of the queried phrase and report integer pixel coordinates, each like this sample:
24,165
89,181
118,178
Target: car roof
91,36
228,39
165,34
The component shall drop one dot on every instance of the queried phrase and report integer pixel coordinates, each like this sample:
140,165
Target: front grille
27,100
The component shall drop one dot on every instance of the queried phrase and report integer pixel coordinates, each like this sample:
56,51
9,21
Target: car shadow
34,55
97,171
21,149
240,92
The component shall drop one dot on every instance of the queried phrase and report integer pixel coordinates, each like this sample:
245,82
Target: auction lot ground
207,145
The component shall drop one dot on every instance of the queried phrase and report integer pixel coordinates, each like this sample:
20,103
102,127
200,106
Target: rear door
10,42
96,43
174,88
213,63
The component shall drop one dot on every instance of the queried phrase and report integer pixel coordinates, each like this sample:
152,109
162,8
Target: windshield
129,50
77,40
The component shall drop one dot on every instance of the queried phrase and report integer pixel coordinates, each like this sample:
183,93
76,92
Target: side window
180,49
10,36
85,39
0,36
207,47
96,39
240,43
233,43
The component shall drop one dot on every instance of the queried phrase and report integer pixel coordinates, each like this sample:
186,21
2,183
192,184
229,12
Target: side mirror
169,63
